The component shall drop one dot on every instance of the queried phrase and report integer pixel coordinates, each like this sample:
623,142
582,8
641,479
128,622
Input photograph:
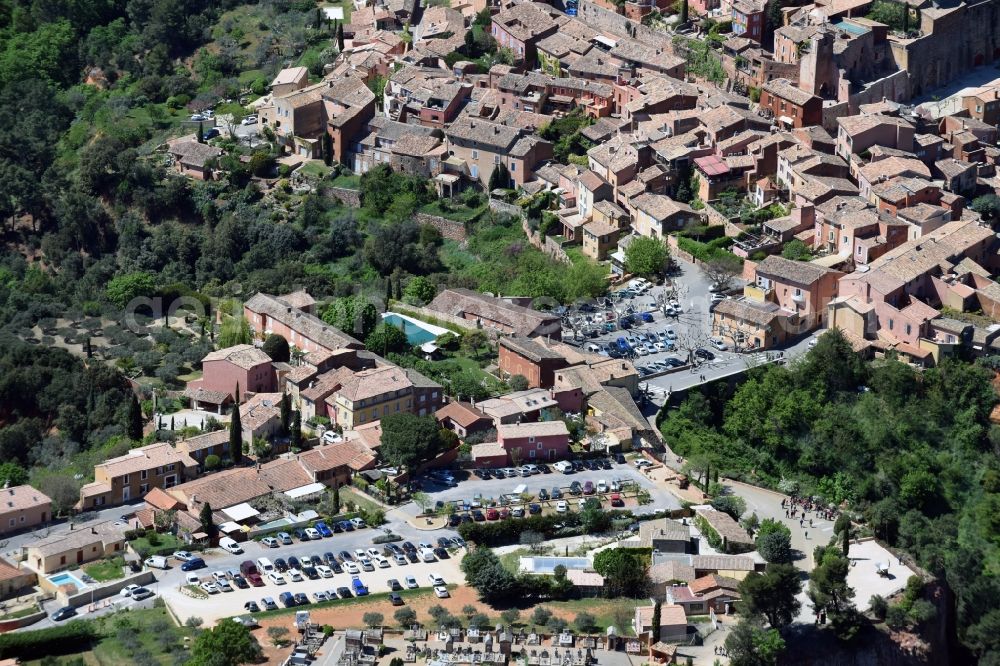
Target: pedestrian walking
800,522
810,522
807,534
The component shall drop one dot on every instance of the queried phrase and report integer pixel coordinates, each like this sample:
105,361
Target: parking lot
229,603
490,490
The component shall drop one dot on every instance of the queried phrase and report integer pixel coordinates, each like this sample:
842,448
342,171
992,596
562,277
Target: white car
129,589
718,343
324,571
192,578
677,307
427,555
219,576
351,568
197,117
660,347
813,342
210,587
561,507
366,564
332,437
563,466
276,578
294,575
382,562
441,592
374,552
269,542
249,120
435,579
360,552
643,351
602,486
230,546
183,556
224,585
313,534
411,583
582,502
142,593
671,334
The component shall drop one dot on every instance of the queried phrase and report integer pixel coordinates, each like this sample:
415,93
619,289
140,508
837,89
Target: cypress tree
336,499
327,144
340,36
656,622
286,412
845,542
684,11
134,419
236,432
205,517
201,133
296,434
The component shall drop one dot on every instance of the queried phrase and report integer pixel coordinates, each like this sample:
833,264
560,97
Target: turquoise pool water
851,28
67,579
417,333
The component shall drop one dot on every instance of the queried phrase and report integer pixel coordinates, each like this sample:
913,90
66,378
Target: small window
475,154
143,474
909,329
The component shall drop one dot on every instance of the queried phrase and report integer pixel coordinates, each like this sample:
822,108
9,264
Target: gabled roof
242,356
799,272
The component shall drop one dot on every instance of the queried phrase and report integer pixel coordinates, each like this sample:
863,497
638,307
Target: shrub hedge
71,637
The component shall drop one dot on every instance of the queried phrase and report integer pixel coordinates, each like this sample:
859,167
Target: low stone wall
345,196
110,589
498,206
450,229
17,623
547,245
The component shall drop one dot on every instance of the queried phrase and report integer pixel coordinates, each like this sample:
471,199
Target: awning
302,491
240,512
229,528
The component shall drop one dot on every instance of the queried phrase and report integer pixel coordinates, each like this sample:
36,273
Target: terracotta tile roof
146,457
761,314
488,450
204,441
722,562
857,124
103,532
530,348
799,272
785,89
375,382
539,429
711,582
523,321
351,454
160,499
19,498
9,572
724,524
462,413
243,356
664,572
304,324
290,75
204,395
660,206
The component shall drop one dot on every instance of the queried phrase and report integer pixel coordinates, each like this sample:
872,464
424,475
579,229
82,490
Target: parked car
269,542
249,120
183,555
441,592
575,488
395,599
323,529
411,583
703,353
588,487
312,533
230,546
561,507
64,613
718,343
251,607
268,603
192,564
543,494
556,492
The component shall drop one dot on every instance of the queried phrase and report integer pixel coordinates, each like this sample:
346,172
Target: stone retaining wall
450,229
345,196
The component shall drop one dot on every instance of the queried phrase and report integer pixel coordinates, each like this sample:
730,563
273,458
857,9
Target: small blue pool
67,579
416,331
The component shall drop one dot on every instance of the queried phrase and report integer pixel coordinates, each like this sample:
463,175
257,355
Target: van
156,562
265,565
230,546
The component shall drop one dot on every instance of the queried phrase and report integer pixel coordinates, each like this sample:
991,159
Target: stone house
242,367
131,476
792,107
544,441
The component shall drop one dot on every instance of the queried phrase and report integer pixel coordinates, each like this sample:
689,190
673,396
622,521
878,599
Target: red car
492,514
616,500
504,514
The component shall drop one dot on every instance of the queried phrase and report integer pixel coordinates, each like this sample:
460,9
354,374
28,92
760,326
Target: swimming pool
546,565
417,332
66,578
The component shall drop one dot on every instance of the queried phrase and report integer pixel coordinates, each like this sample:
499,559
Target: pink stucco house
530,442
242,366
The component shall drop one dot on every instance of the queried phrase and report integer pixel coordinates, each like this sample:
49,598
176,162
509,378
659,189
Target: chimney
93,530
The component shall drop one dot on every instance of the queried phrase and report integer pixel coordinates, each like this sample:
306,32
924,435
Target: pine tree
236,433
134,424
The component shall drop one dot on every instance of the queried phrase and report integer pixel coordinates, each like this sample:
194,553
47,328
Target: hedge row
74,636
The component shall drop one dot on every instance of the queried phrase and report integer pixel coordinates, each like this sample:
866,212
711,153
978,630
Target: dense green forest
913,453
